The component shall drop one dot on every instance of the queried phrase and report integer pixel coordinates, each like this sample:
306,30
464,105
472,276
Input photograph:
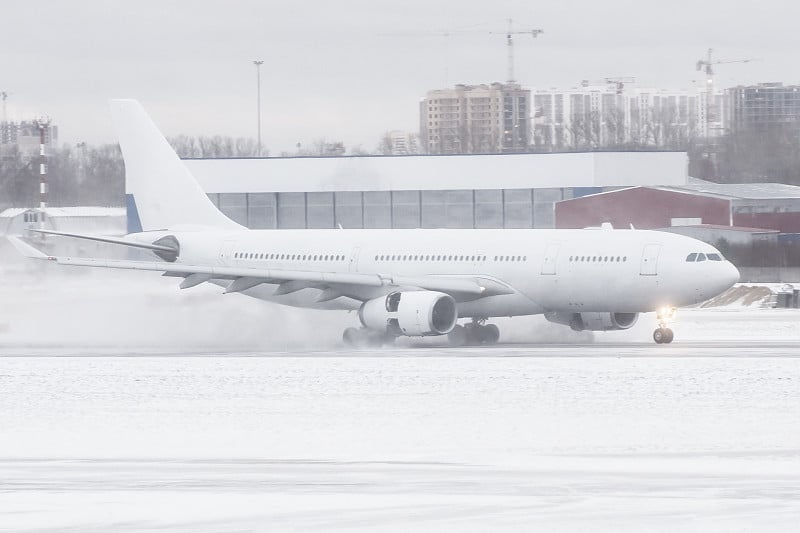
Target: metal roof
79,211
476,172
719,227
748,191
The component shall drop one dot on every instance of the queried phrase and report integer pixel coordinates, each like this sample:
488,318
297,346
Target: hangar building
772,206
447,191
100,220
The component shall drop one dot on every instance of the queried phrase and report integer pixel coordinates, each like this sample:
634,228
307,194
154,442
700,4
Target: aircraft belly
577,291
501,305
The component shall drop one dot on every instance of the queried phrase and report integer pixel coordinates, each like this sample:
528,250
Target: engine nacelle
594,321
410,313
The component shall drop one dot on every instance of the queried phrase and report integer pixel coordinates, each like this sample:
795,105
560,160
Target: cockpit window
691,258
714,257
701,257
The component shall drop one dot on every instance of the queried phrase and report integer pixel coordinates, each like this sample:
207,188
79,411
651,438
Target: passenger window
701,257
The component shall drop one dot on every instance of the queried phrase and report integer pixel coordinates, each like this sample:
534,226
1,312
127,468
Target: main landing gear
366,338
665,316
475,333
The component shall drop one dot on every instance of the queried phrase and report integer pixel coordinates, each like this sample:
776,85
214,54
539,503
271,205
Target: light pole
258,64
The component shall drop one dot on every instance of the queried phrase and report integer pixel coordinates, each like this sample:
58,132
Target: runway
604,436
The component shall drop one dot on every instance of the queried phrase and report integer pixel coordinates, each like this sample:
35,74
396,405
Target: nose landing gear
665,316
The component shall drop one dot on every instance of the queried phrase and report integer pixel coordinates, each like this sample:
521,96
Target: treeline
767,154
761,253
82,175
93,175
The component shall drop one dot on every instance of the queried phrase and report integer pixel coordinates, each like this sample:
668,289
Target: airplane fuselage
546,270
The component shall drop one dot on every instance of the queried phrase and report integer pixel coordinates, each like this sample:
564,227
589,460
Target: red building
760,205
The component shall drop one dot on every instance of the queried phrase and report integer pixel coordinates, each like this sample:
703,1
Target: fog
47,305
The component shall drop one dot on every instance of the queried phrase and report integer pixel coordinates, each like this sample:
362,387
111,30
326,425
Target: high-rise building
476,119
757,107
604,116
401,143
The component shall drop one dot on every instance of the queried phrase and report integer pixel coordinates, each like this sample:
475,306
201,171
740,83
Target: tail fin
160,191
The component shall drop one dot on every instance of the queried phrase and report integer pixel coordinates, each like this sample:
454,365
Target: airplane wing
333,284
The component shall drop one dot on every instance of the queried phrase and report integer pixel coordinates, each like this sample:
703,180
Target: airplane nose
732,274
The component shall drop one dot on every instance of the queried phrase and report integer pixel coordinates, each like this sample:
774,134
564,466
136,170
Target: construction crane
618,82
707,66
4,96
510,42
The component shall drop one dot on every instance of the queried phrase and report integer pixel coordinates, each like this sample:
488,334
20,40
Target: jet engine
410,313
594,321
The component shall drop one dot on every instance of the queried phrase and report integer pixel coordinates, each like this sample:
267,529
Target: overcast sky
351,69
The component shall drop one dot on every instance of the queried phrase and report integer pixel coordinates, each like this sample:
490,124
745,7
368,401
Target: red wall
643,207
784,222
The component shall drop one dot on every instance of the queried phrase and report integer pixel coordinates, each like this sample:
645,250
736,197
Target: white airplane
403,282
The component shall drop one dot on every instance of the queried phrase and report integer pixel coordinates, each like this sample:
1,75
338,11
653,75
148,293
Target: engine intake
410,313
594,321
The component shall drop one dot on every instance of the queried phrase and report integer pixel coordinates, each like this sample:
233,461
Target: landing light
665,315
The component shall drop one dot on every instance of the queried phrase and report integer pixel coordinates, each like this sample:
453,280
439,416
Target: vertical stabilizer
160,191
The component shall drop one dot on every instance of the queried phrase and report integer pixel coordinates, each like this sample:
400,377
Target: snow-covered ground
127,405
518,439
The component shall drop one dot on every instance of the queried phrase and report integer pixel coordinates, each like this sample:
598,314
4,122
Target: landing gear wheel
489,334
458,336
477,333
351,337
663,336
365,338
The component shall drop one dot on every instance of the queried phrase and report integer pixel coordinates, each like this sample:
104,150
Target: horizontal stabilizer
111,240
27,250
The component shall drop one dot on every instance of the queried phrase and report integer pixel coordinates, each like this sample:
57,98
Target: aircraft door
353,266
649,264
550,257
226,253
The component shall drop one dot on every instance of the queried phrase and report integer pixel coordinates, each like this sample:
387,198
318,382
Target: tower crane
706,65
619,82
510,42
4,96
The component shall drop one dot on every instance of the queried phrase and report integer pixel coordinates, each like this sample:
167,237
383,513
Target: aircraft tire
659,335
364,338
457,336
489,334
669,335
352,337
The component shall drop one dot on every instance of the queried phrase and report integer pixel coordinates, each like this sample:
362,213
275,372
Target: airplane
413,283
